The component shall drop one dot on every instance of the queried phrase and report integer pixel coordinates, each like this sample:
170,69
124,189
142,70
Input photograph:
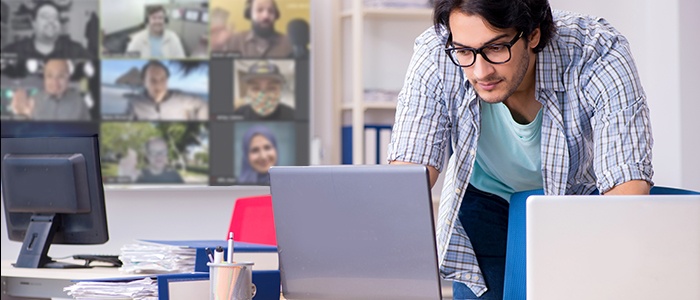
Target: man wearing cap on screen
263,92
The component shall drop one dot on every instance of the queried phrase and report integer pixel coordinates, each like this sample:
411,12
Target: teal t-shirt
508,156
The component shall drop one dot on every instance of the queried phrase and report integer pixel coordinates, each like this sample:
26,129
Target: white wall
690,101
176,213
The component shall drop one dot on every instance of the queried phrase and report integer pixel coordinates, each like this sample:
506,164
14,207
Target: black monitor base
59,265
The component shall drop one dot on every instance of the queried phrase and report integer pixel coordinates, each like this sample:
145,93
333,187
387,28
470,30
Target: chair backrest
515,273
252,221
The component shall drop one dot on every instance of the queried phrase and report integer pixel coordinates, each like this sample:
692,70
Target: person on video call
263,92
156,40
158,102
158,169
48,41
57,101
262,41
530,99
259,155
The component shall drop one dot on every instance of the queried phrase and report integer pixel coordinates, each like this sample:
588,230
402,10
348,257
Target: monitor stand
37,241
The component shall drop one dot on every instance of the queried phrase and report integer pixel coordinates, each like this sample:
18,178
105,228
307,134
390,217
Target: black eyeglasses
493,53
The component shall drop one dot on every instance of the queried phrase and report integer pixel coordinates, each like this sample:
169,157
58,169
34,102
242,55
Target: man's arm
178,51
633,187
621,125
431,170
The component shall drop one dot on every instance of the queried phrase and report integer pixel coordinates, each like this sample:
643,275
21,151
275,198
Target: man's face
261,154
263,14
157,156
47,25
56,77
156,22
492,82
156,82
264,94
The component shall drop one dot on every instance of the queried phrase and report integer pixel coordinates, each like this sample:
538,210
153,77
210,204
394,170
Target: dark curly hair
523,15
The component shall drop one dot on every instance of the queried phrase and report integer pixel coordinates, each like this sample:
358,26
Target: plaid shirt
595,126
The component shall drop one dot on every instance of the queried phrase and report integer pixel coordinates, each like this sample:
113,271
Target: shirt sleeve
621,127
420,130
178,51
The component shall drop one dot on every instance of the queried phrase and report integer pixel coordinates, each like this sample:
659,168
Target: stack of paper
142,289
154,258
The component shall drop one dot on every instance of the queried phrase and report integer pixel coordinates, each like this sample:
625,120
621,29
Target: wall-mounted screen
181,92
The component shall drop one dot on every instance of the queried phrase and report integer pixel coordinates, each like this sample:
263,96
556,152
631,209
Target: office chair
252,221
514,287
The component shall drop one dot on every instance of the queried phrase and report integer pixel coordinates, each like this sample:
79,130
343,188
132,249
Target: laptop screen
613,247
355,232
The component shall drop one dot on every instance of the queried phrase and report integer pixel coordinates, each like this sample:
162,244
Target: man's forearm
633,187
431,170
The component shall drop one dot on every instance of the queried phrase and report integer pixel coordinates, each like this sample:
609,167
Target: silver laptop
613,247
355,232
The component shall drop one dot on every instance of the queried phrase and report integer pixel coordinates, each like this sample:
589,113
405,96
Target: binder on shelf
384,141
376,142
371,153
264,256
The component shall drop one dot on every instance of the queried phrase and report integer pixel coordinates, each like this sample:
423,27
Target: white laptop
613,247
355,232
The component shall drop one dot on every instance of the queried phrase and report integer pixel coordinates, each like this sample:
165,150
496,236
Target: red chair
252,221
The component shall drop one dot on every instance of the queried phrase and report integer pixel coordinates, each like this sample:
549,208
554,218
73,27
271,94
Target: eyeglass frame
480,50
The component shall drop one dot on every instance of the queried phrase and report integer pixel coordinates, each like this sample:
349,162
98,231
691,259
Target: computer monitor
53,194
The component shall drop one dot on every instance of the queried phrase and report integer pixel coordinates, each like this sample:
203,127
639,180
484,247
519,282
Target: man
57,101
158,102
158,168
48,40
262,41
529,100
156,40
263,84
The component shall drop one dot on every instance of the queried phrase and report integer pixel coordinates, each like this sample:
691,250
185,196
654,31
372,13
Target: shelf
392,12
372,105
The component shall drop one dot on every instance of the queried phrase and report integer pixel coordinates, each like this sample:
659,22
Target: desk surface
18,283
71,274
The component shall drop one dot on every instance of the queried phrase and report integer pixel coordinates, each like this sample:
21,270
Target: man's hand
22,104
431,170
633,187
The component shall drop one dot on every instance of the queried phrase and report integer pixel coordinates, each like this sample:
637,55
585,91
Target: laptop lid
355,232
613,247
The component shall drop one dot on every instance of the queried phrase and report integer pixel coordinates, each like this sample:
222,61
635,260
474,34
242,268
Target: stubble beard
512,85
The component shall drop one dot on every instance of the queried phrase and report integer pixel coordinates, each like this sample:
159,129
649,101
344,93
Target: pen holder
231,281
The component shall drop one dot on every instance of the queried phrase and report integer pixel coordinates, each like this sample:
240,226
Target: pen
218,255
230,247
209,254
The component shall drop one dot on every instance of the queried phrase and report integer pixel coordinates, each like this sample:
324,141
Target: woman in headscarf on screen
259,154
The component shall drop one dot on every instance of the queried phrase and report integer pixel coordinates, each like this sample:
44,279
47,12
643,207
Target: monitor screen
52,194
170,87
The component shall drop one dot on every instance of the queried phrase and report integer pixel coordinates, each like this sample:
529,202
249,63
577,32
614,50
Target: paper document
142,289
